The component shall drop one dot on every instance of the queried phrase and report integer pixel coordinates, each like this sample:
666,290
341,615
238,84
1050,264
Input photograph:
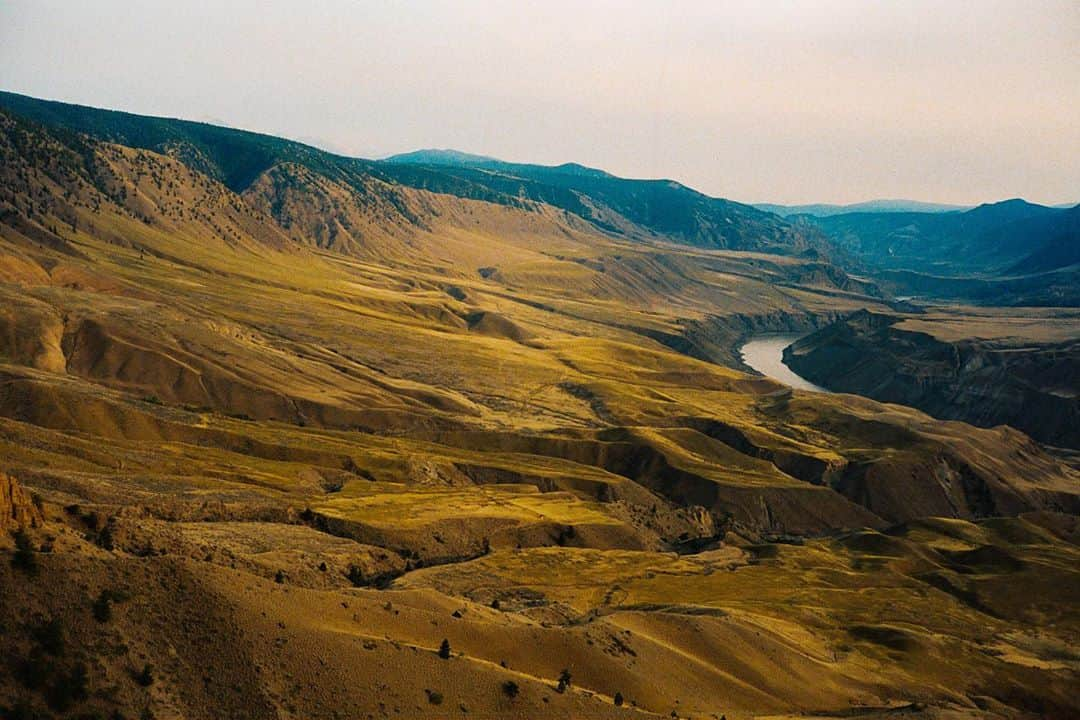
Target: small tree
510,689
105,538
444,649
49,636
67,688
618,699
146,676
564,681
103,607
24,558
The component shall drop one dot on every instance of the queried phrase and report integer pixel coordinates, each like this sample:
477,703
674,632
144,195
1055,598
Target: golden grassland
298,450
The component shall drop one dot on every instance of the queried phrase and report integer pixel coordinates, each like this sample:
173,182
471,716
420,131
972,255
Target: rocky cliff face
16,507
1033,388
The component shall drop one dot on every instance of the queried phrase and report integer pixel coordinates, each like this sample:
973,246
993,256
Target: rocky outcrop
17,509
1032,387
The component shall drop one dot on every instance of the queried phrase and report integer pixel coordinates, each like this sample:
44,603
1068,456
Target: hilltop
637,209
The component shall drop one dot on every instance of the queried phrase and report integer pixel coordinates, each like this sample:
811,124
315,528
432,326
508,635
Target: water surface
765,354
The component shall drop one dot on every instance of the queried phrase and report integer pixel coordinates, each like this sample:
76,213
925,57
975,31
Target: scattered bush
67,688
105,538
102,609
564,681
145,677
21,710
91,520
279,577
434,697
510,689
49,637
618,699
103,605
34,672
24,558
444,649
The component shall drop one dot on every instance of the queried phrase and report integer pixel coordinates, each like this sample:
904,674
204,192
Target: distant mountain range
876,206
445,156
456,158
1011,252
916,245
992,238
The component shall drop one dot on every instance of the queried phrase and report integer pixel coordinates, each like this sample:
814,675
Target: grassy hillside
269,447
633,208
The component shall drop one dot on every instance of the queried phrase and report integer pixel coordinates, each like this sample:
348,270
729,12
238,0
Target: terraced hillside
275,424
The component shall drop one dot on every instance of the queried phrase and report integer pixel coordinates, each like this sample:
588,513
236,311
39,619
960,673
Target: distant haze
788,102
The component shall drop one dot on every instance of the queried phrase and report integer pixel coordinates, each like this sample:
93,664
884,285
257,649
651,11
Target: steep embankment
1028,386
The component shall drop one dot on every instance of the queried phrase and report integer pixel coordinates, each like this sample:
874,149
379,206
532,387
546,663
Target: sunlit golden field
294,467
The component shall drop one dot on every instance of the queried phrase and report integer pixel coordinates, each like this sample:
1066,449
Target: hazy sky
758,101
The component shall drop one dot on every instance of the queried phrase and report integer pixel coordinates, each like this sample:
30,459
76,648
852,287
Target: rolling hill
275,424
631,208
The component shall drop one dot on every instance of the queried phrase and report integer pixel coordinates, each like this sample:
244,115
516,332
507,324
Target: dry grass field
266,450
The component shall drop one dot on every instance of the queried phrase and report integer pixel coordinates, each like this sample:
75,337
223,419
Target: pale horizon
791,103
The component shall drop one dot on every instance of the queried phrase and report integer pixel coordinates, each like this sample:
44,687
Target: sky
761,101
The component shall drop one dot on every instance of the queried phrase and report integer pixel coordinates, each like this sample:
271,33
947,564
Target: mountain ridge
986,249
882,205
632,208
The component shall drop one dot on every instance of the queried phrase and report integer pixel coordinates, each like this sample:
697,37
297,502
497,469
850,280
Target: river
765,354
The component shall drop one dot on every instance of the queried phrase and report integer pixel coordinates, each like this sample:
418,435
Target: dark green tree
24,558
103,607
564,681
146,676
